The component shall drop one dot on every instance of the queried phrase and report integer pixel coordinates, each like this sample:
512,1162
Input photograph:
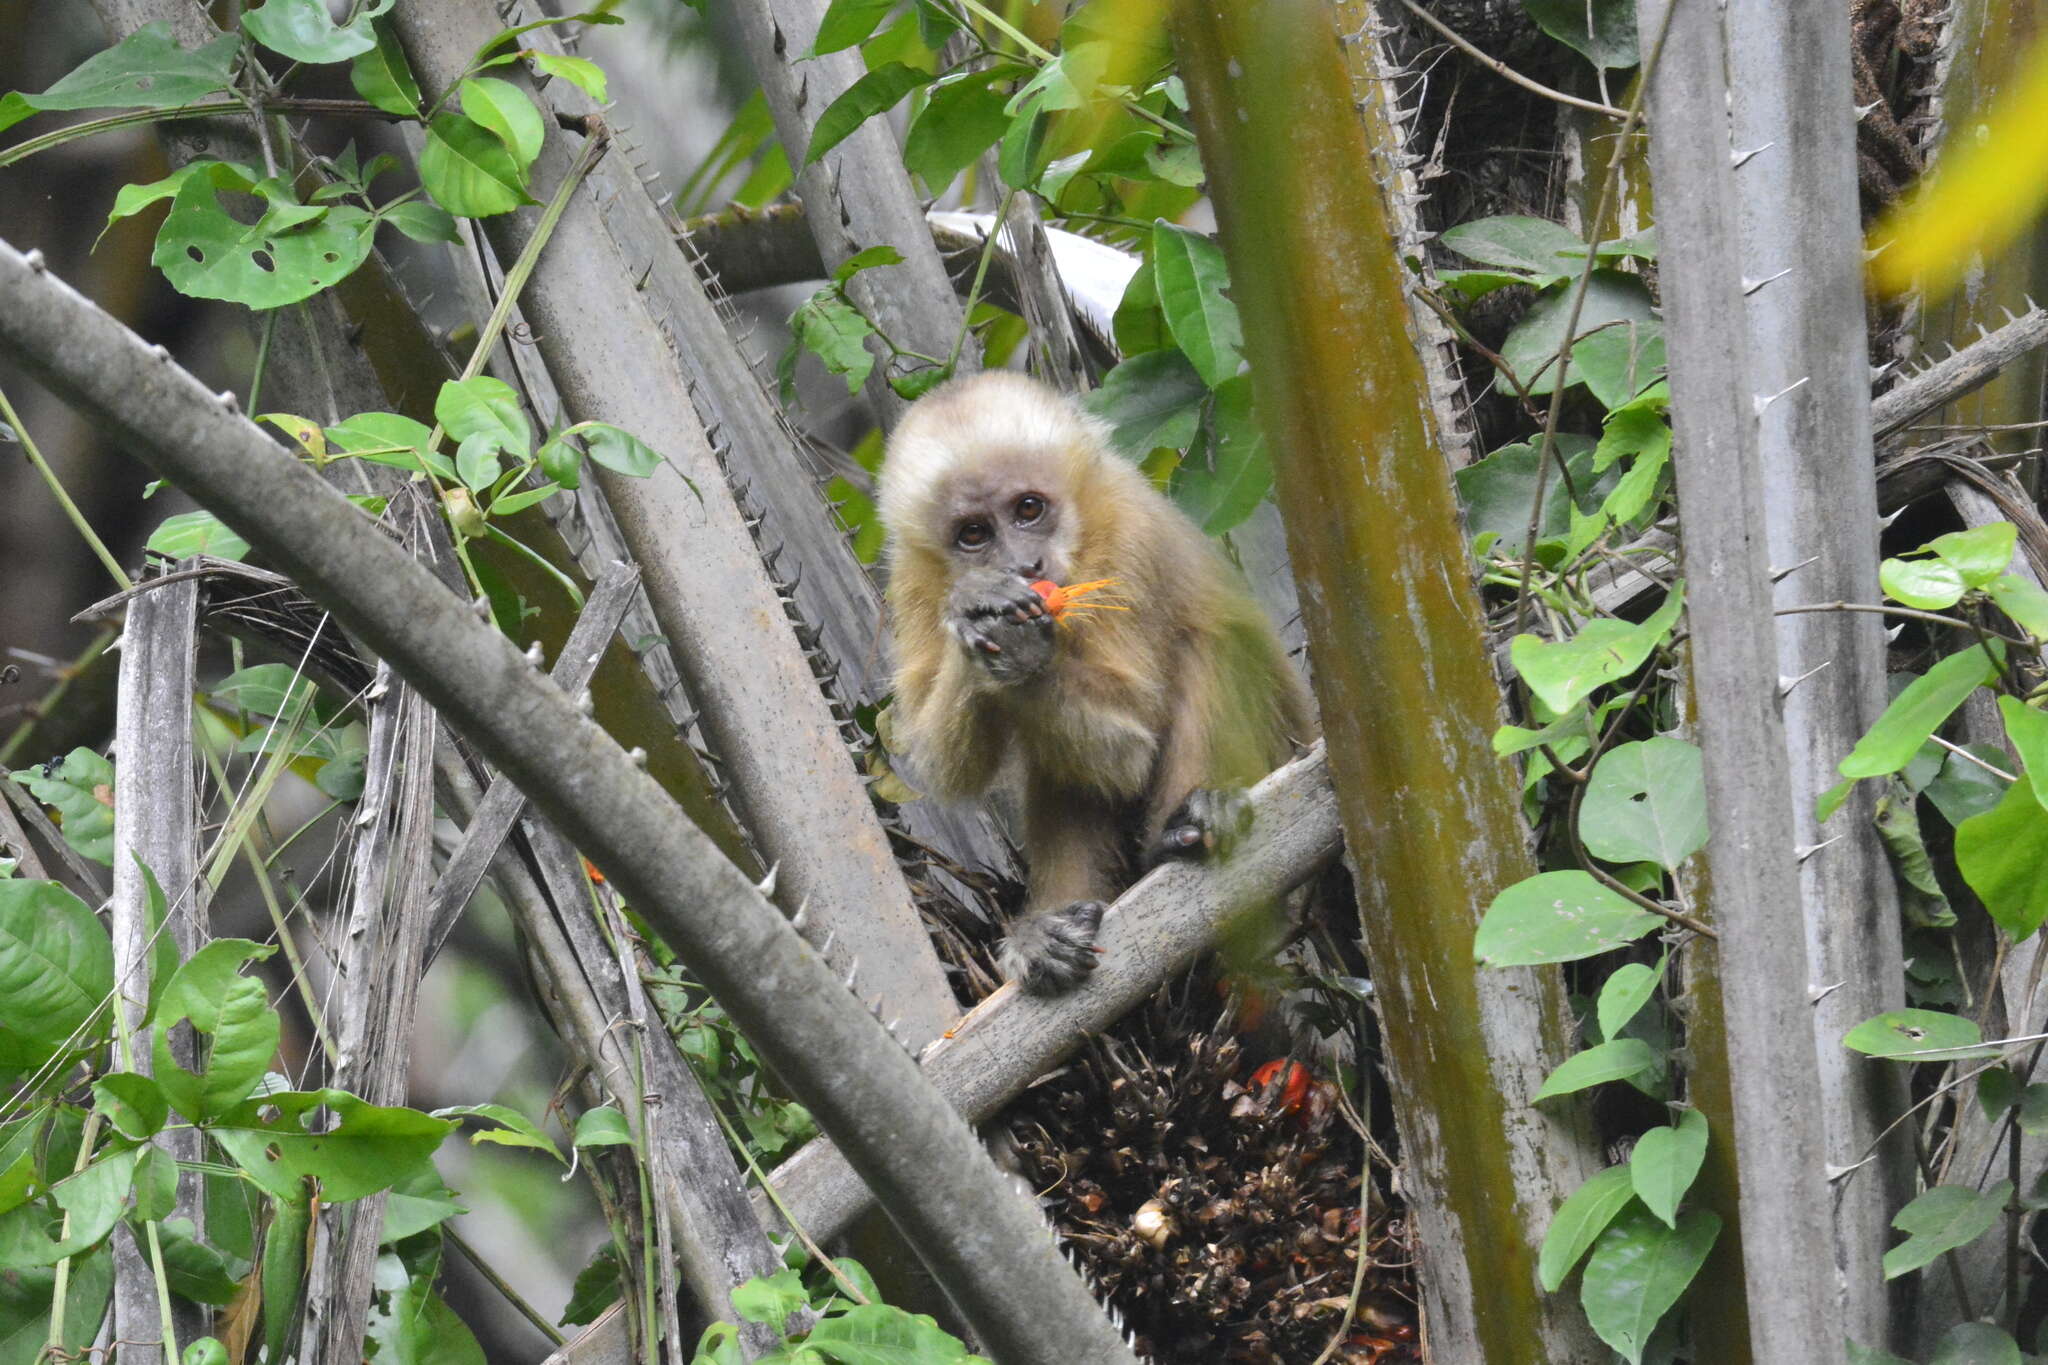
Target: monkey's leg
1073,841
1195,810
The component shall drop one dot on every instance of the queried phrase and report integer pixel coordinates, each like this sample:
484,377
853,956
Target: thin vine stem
57,137
56,487
1508,73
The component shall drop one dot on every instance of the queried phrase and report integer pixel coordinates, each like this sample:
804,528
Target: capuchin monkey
1130,731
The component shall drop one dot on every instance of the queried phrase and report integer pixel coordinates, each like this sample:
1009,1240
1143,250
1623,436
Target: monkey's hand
1003,624
1207,825
1054,950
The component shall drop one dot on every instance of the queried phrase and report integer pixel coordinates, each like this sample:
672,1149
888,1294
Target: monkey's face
1006,519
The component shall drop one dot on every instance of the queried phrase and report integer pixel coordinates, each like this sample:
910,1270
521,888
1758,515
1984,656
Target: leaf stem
56,487
988,250
56,137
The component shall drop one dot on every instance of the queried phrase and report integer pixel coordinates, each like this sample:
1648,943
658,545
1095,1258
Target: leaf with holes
232,1013
369,1148
286,257
1556,917
1646,802
304,31
81,787
1915,1035
468,170
145,70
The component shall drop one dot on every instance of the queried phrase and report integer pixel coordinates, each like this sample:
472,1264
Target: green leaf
1565,672
561,459
866,259
398,442
487,407
155,1185
381,75
133,199
1979,554
1190,275
1068,81
27,1296
196,533
82,790
1646,802
1150,400
421,221
370,1147
596,1288
513,503
56,971
1619,362
468,170
288,256
877,90
92,1197
416,1203
1556,917
2027,729
962,119
1137,325
580,72
603,1126
1601,31
1531,245
410,1324
304,31
770,1299
846,23
1638,1269
1997,1091
2033,1115
618,449
1614,1061
1920,709
505,109
2003,855
1581,1218
1530,350
232,1012
1021,159
1477,284
2023,601
1497,492
1942,1219
515,1129
836,332
1897,817
877,1333
1666,1161
1225,478
1918,1036
146,70
1625,993
1864,1355
278,690
476,460
1976,1343
283,1270
192,1268
133,1103
1924,584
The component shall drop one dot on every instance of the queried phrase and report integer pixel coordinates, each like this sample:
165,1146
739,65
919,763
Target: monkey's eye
1029,508
972,535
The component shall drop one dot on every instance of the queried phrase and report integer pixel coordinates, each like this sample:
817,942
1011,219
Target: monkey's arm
955,727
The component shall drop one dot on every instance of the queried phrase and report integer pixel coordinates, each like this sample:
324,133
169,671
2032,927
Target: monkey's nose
1034,570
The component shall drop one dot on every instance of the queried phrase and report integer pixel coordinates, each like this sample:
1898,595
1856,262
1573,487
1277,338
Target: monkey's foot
1207,825
1054,950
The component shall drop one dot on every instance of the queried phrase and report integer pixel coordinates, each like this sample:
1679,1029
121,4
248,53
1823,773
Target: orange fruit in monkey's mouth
1059,601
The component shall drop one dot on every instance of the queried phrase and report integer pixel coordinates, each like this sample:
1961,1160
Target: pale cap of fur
995,415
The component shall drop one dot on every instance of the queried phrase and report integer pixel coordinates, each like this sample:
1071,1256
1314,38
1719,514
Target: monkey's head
991,470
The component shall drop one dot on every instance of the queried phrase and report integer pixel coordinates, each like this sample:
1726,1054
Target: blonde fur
1189,688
